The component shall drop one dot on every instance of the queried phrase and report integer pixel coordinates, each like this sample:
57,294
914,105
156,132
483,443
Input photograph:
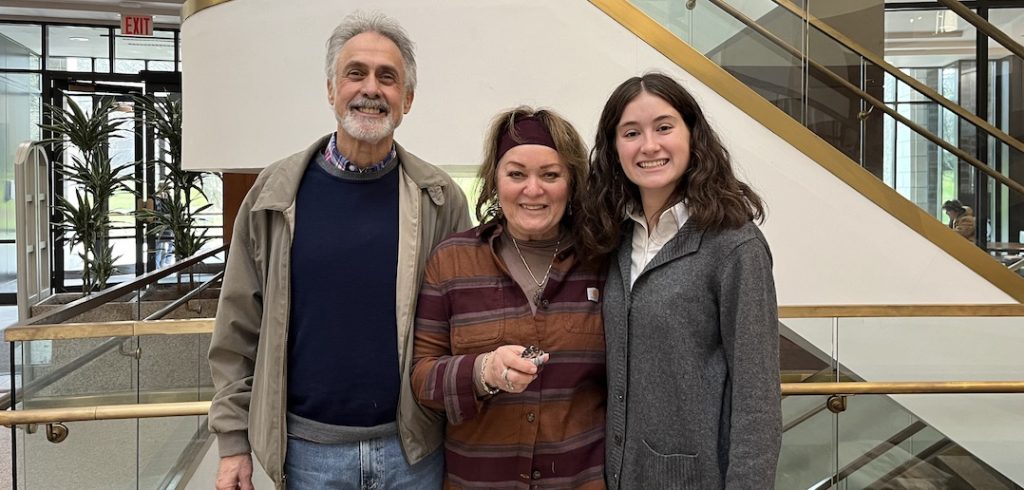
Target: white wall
254,91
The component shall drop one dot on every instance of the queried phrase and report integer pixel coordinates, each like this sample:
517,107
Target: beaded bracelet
483,369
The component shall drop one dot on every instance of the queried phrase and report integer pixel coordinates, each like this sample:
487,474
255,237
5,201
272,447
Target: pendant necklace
540,284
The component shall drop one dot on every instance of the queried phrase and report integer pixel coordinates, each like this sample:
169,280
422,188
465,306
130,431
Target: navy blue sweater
342,339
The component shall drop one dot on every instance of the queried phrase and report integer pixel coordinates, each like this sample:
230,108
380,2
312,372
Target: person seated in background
961,218
497,296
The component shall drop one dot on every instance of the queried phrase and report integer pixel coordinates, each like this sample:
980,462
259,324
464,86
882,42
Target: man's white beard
365,129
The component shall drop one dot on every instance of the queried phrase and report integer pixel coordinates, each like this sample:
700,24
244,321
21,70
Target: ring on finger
508,384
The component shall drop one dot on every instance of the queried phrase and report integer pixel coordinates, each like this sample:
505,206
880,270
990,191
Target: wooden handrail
127,328
898,311
84,304
64,331
103,412
902,388
180,409
985,26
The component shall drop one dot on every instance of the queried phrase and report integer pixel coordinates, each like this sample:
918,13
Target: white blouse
647,244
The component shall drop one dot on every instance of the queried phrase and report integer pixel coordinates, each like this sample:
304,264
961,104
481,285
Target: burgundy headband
528,131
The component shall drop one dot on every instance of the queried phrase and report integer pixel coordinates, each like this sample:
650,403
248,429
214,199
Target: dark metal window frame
56,81
979,199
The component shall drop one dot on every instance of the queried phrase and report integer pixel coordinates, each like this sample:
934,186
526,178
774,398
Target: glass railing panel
944,348
10,377
713,28
808,439
169,368
109,378
899,455
1002,233
907,441
172,368
806,347
106,371
674,16
872,431
835,112
990,427
95,455
162,445
808,454
882,445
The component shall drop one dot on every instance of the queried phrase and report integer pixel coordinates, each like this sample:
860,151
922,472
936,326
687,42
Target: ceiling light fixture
78,38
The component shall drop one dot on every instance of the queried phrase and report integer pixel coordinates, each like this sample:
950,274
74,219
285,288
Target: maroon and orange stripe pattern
551,435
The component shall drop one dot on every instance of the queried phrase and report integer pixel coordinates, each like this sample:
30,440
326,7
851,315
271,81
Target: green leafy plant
174,207
96,179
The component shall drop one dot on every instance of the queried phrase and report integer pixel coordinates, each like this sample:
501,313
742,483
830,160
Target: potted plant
174,211
96,179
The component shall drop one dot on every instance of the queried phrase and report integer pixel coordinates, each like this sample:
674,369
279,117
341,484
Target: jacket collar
686,242
282,184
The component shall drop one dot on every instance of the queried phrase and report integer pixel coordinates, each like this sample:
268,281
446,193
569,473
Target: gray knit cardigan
693,364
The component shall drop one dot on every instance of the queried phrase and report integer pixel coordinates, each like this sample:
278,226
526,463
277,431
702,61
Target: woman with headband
509,341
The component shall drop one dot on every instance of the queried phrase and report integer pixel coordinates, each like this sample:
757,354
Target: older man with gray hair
311,350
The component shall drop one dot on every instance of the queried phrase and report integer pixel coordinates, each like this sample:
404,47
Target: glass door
125,151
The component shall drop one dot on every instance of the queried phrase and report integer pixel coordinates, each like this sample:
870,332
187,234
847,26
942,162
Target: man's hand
235,472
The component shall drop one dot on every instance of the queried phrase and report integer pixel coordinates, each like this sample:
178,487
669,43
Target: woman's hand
508,371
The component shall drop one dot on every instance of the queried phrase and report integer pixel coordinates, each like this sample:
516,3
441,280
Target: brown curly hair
714,197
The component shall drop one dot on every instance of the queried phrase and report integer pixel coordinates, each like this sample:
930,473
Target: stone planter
170,366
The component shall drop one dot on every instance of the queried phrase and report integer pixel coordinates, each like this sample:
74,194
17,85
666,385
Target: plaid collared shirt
332,155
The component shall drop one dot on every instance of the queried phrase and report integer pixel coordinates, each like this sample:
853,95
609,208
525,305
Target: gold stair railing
125,328
901,388
49,327
205,325
878,104
816,149
899,311
900,75
985,26
152,410
54,418
103,412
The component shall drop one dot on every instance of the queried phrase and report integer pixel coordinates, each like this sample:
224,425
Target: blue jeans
371,464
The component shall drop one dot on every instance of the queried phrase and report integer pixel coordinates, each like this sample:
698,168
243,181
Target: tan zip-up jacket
249,345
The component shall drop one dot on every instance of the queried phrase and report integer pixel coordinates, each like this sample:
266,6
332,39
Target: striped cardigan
551,435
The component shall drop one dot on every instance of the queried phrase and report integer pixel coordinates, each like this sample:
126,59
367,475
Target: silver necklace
540,284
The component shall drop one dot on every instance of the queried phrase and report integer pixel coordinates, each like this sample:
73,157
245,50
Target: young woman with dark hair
691,322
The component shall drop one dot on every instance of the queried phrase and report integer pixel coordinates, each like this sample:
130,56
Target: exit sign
136,25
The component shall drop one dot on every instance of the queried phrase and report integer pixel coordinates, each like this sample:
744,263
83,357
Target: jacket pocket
465,338
586,312
478,316
669,471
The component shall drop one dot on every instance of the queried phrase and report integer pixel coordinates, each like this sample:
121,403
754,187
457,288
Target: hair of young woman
714,197
571,151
